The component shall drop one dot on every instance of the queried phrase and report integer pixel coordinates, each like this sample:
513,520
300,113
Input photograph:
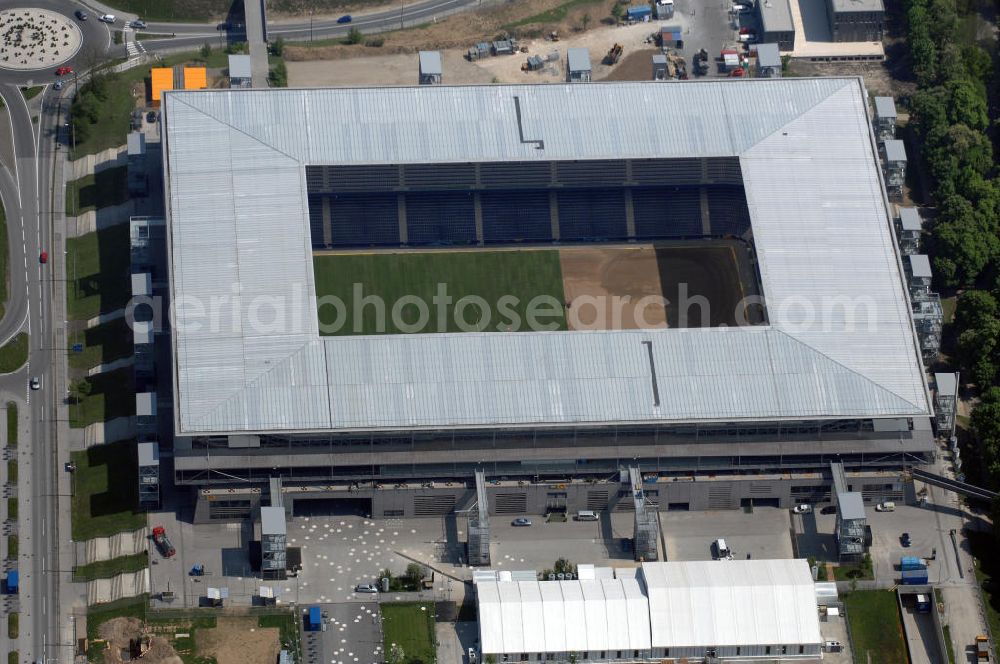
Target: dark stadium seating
440,218
516,216
592,215
663,212
359,220
727,208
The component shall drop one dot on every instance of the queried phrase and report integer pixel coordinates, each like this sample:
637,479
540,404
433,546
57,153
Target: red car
43,257
62,71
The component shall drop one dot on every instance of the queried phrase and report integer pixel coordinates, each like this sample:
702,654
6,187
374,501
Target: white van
887,506
586,515
722,551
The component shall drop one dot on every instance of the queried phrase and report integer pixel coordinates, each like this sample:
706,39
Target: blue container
315,619
907,563
915,577
638,12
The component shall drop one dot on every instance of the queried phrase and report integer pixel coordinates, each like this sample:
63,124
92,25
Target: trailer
162,542
982,648
915,577
314,619
907,563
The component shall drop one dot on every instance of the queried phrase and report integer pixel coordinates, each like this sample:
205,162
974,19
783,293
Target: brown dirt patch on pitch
604,285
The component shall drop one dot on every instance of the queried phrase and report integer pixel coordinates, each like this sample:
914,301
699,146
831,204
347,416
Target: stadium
742,229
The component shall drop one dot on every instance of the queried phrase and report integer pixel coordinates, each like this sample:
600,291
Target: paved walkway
255,39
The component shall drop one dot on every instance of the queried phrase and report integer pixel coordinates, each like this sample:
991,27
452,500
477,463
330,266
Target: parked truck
163,542
982,648
13,582
915,577
315,619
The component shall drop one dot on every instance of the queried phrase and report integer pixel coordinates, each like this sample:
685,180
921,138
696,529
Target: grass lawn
106,188
32,92
114,113
12,509
486,274
948,644
849,572
101,344
876,629
288,630
554,15
12,471
112,395
11,424
14,354
12,657
106,569
13,625
12,547
411,626
98,268
984,548
105,498
194,11
3,259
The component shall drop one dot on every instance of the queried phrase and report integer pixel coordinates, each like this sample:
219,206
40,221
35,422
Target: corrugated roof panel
239,223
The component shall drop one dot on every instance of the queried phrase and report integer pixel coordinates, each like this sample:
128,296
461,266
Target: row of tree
951,114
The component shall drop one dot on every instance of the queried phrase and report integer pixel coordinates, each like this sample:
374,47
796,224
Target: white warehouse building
746,610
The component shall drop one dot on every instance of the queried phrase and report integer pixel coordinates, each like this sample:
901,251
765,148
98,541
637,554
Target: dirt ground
592,276
118,632
238,641
395,63
716,273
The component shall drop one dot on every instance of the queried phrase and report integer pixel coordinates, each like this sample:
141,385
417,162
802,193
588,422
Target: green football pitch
355,291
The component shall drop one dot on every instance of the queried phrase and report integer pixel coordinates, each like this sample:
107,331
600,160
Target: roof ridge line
234,128
840,364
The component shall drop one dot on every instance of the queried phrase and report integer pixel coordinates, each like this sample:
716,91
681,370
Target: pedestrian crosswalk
133,47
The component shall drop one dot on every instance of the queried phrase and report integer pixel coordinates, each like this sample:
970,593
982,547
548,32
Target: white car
107,18
36,383
740,9
803,509
365,588
887,506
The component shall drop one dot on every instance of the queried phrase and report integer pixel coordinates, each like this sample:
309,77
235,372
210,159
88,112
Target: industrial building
856,20
578,68
240,71
163,79
945,402
398,425
768,61
776,23
738,610
430,67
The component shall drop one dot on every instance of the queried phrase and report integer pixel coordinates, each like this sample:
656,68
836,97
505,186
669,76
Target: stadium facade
396,425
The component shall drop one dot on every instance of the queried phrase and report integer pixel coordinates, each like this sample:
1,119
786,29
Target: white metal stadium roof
240,242
731,602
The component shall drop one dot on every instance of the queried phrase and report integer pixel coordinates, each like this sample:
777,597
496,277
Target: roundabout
33,38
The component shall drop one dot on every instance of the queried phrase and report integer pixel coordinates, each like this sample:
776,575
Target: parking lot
763,533
350,634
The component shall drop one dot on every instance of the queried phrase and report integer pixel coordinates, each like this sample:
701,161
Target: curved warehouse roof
239,224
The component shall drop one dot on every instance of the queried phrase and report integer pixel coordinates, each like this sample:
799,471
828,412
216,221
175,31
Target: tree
585,20
278,46
968,104
414,572
617,11
986,426
79,389
395,654
206,50
964,242
354,36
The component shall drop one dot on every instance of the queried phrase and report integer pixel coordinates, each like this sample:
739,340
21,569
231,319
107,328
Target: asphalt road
192,35
27,194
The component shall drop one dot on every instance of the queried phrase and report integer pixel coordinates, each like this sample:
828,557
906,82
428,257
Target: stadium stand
727,208
361,220
516,216
592,215
440,217
662,212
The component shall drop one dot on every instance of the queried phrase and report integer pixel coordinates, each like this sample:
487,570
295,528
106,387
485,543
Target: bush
375,42
206,50
354,36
